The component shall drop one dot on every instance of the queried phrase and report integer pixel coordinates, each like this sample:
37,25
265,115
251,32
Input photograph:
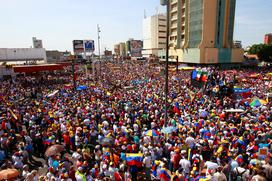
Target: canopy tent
37,68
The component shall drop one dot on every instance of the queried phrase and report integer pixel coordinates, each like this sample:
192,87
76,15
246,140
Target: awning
37,68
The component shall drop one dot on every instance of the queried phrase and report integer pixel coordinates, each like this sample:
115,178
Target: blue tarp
239,90
81,87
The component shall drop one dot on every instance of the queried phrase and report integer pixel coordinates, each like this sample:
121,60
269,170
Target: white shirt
76,156
211,166
147,162
185,164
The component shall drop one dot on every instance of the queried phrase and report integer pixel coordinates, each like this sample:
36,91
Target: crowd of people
113,126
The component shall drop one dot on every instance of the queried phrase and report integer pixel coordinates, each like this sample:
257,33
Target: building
268,39
23,55
117,50
201,32
55,56
128,48
122,49
154,35
37,43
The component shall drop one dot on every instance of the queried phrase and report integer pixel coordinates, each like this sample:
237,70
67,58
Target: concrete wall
210,56
209,24
191,55
22,54
237,55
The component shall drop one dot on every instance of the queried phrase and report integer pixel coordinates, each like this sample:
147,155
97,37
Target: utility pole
99,57
167,3
74,74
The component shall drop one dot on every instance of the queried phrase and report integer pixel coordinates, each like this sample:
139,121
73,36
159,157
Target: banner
136,47
89,45
78,46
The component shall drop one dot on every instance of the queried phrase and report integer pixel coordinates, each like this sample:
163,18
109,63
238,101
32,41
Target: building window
162,25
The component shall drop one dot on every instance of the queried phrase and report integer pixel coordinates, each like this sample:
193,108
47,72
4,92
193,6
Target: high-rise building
117,50
122,49
201,31
268,39
154,34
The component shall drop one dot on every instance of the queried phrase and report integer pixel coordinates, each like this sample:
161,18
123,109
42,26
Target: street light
167,4
98,36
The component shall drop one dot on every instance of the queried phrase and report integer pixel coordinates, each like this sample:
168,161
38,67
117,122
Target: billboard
88,45
37,43
136,47
78,46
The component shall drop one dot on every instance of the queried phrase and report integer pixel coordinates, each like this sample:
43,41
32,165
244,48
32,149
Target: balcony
174,17
174,2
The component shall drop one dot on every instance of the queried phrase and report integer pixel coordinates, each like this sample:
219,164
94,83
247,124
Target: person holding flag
165,174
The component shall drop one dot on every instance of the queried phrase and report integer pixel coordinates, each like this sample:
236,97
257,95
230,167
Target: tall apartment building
201,31
154,34
268,39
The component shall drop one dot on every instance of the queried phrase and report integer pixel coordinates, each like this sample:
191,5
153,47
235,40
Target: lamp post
167,4
73,72
99,58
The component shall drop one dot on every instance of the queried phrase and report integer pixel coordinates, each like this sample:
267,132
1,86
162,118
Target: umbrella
107,141
53,150
152,132
169,129
257,103
8,174
81,87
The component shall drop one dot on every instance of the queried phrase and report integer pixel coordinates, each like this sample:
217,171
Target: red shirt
66,139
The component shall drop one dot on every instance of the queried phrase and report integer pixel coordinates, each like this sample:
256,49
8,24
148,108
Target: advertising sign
78,46
89,45
38,44
136,48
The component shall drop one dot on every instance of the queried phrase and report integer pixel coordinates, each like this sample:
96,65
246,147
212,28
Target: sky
58,22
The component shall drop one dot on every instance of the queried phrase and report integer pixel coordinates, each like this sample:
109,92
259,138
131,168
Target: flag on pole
198,74
204,76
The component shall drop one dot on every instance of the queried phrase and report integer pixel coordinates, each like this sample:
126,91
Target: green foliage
263,51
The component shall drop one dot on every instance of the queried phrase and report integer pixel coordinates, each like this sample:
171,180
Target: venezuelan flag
134,159
239,159
176,108
165,175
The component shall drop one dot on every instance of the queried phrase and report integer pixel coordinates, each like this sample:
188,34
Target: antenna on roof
144,14
157,10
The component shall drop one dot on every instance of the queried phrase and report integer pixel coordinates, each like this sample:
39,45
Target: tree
263,51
